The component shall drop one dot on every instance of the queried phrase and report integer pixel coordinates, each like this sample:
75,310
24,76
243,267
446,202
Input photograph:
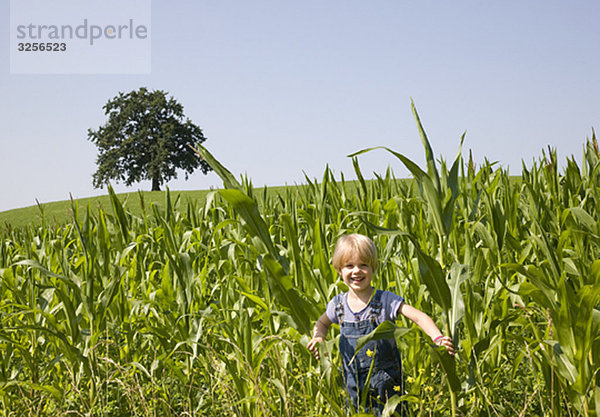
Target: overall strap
339,307
376,307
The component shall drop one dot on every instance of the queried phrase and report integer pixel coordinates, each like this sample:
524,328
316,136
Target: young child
358,312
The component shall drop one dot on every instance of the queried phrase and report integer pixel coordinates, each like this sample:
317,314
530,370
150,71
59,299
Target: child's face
357,274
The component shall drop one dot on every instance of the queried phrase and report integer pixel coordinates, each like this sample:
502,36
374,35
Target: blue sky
281,89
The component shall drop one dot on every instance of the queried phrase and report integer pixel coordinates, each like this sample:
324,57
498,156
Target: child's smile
357,274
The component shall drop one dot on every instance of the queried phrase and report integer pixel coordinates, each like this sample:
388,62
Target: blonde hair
349,245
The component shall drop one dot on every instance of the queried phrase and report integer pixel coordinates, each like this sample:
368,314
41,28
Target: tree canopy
146,137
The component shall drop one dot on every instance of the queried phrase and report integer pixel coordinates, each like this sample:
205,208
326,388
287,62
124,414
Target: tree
146,138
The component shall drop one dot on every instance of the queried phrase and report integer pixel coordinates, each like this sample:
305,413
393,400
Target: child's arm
319,334
426,323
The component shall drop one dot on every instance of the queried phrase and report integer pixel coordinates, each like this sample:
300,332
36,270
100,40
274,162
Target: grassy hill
61,212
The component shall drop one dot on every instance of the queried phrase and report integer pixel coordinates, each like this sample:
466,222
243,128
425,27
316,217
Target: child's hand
447,343
313,346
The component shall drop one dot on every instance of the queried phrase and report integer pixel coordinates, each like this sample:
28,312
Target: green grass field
60,212
201,303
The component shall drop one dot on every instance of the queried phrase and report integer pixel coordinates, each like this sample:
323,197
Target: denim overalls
386,379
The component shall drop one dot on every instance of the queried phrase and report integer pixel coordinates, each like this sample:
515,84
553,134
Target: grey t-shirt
390,304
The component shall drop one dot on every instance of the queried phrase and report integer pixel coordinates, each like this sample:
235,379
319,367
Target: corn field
206,309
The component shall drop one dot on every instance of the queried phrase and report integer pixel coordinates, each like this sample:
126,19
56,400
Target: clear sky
284,88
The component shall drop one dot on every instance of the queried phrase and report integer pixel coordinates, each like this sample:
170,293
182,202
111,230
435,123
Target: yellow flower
369,353
397,388
410,379
428,389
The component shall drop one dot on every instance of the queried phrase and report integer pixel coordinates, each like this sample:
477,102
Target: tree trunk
155,184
